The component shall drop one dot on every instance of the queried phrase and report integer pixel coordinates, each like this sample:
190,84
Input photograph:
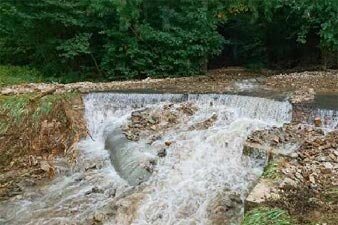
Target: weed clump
271,171
267,216
11,75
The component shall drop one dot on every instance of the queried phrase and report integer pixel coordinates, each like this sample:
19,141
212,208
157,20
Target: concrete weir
129,162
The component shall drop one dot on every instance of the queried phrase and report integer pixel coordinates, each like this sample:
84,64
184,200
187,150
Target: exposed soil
32,141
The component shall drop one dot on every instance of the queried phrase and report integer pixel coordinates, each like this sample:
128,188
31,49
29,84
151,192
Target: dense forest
135,39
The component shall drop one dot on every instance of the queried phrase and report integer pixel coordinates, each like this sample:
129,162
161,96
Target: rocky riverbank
320,81
216,81
303,181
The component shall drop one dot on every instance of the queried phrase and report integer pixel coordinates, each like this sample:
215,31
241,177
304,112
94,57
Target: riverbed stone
162,152
225,208
264,189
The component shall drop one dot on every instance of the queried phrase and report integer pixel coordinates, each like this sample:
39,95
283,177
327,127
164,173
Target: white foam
199,165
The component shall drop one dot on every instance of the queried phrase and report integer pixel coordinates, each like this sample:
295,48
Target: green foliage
16,110
75,46
165,38
123,39
267,216
282,32
10,75
109,38
271,171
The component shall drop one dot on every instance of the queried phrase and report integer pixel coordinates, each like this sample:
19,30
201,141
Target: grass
267,216
11,75
331,195
45,105
14,110
271,171
21,121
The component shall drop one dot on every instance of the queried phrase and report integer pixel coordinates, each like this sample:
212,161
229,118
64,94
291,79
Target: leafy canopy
124,39
113,38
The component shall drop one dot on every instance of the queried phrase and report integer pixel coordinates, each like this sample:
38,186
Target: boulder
263,190
226,208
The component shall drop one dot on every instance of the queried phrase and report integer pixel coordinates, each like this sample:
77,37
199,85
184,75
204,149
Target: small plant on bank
271,171
267,216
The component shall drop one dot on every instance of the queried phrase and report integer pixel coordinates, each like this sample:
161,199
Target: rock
303,95
91,167
204,124
317,121
328,165
168,143
138,113
287,182
45,166
99,217
225,208
162,153
276,139
151,121
312,179
294,155
299,176
261,192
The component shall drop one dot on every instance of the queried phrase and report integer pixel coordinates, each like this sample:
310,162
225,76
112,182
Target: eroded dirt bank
36,129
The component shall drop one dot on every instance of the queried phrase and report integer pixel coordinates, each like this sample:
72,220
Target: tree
117,39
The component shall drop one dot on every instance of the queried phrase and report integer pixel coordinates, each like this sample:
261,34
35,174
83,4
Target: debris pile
315,160
204,124
301,179
303,95
320,81
316,164
289,133
151,123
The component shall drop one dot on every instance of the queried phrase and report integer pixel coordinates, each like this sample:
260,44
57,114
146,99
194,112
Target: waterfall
200,173
329,118
102,106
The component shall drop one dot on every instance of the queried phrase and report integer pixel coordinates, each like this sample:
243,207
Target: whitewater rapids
186,187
